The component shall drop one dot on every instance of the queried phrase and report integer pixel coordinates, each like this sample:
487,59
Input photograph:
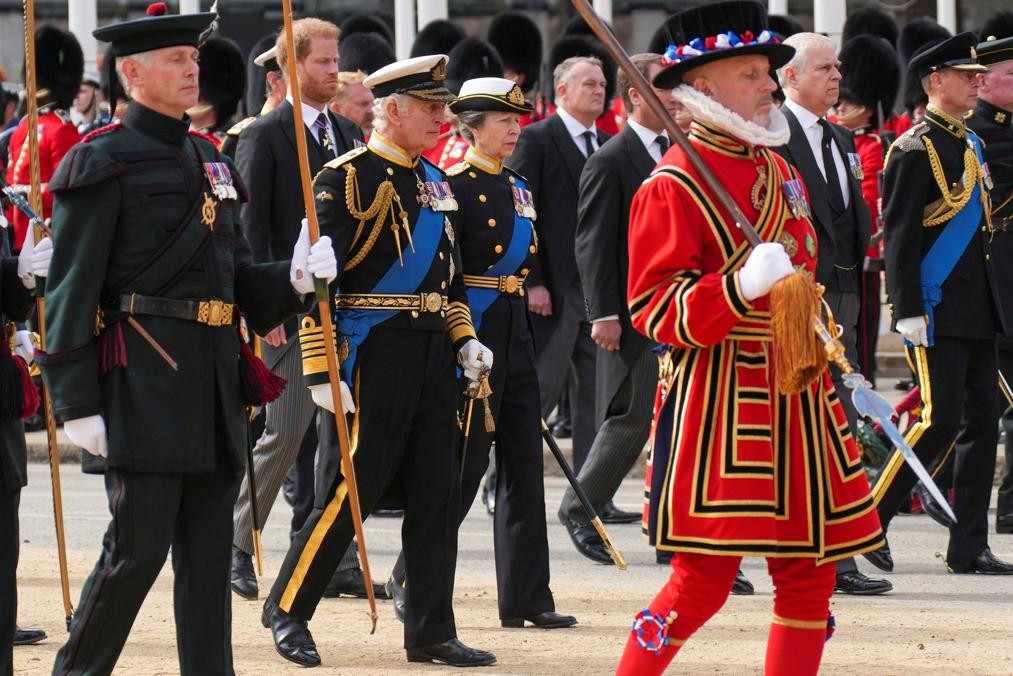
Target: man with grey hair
824,154
551,154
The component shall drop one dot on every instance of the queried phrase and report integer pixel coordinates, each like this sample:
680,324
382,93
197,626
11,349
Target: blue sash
949,247
480,299
354,325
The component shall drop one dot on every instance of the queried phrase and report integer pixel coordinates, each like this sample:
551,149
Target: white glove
322,397
33,261
915,330
23,345
311,261
767,263
88,433
473,357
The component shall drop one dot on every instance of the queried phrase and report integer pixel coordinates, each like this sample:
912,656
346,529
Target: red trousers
697,589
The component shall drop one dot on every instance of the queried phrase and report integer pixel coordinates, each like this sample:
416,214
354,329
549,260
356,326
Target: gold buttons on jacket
499,248
524,271
441,256
472,174
510,178
415,314
481,198
492,222
390,172
532,248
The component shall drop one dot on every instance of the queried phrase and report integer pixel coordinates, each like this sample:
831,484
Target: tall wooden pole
324,306
35,200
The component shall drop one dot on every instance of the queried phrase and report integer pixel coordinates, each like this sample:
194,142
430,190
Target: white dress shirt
576,130
309,117
814,134
648,137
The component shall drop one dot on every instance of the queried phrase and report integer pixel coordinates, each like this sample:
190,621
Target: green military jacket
120,198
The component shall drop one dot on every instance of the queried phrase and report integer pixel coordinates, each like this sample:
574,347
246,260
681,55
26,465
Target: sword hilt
617,556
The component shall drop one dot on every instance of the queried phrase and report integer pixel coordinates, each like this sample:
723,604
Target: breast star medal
209,211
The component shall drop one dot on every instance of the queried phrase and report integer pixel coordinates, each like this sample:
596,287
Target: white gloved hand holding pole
34,259
767,264
322,397
473,357
24,347
915,330
89,433
311,261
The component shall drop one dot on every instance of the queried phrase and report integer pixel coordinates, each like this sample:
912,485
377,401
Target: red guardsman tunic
735,468
871,152
56,136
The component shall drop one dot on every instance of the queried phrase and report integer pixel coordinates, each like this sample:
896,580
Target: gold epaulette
912,138
239,127
347,157
458,168
311,342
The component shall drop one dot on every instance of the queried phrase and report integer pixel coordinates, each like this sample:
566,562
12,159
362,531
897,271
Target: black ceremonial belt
212,311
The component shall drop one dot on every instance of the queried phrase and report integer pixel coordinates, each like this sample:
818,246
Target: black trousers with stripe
192,514
403,443
957,378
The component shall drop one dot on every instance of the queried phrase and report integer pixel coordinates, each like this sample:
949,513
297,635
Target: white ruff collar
707,110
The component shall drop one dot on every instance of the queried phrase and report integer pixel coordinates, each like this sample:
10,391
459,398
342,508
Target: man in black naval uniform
495,226
991,121
401,314
148,254
944,299
17,281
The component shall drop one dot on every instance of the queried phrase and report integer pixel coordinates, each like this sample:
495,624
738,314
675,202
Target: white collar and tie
582,136
655,143
814,127
317,121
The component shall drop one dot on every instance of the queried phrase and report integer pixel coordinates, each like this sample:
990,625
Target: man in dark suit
551,154
267,160
824,154
627,370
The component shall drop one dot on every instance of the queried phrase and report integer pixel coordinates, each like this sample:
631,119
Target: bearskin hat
365,22
916,34
870,74
471,58
577,26
222,78
870,21
519,43
437,37
784,25
59,66
575,45
367,52
999,25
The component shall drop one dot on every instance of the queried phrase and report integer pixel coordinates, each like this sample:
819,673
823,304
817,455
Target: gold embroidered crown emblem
516,96
440,71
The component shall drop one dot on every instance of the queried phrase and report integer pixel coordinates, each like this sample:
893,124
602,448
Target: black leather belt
213,312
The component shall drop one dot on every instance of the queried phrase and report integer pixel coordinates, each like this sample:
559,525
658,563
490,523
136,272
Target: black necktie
588,146
663,143
325,137
830,168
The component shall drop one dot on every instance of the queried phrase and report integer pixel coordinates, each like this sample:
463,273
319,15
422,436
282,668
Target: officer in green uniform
945,300
150,267
401,315
992,120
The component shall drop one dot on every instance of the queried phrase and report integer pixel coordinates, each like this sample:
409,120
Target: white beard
705,109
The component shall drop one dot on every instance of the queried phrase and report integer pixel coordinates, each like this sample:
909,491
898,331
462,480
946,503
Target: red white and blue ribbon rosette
651,630
717,43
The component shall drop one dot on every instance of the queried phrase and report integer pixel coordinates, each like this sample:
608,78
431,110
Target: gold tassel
798,353
490,424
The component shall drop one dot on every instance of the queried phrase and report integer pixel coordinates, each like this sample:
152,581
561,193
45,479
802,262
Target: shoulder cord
951,205
380,209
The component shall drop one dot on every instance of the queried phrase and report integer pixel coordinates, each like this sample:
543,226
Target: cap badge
515,96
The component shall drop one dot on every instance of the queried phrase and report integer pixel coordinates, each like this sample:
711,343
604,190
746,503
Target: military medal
220,178
855,163
208,212
986,175
356,143
439,196
524,203
794,192
449,229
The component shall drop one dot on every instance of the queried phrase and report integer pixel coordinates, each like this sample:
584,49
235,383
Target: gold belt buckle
431,302
510,283
214,312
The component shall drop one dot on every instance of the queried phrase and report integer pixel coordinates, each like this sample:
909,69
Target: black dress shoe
904,385
984,563
933,508
352,583
562,430
452,653
857,584
244,580
489,500
30,635
546,620
587,541
881,558
292,638
388,513
396,591
612,514
662,557
742,586
1004,524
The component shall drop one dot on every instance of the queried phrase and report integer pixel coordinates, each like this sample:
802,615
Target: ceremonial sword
867,401
19,202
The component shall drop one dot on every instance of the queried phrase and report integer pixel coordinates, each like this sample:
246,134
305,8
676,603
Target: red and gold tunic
735,468
56,136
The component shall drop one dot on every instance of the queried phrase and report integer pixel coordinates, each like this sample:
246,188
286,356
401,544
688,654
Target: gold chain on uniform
950,205
383,204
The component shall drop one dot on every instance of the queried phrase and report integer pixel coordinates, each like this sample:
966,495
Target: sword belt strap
212,311
417,302
512,285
